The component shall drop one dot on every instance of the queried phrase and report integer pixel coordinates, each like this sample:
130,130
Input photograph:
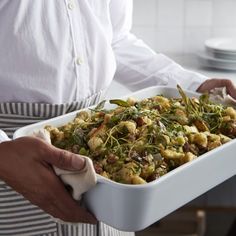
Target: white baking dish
135,207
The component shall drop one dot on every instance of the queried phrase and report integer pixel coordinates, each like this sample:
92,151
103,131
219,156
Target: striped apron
17,215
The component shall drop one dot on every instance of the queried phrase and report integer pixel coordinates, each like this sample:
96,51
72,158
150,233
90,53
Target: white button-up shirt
62,51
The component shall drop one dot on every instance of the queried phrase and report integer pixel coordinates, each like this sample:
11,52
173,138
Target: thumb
65,160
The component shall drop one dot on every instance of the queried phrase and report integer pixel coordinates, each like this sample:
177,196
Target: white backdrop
181,26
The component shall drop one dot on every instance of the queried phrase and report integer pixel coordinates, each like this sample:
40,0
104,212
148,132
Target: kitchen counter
188,61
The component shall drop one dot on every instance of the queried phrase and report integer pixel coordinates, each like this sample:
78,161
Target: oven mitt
220,95
78,181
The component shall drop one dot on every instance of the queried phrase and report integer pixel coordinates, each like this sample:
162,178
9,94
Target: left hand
218,83
26,165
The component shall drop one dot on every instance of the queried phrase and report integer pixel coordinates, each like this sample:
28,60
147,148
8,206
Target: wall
182,26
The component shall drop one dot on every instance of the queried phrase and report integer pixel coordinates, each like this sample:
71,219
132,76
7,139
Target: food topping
140,141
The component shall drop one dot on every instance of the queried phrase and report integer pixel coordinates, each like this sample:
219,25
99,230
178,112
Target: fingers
218,83
40,150
65,160
209,85
70,211
52,155
61,205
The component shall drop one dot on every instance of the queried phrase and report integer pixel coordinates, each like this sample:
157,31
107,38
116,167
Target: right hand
210,84
26,165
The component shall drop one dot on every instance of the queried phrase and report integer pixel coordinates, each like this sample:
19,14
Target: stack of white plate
219,53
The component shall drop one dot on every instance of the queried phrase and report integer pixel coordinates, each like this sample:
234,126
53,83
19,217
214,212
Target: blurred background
179,29
182,26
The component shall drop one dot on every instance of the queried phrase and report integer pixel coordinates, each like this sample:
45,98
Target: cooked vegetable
139,141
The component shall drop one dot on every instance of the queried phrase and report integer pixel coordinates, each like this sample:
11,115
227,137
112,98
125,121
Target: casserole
135,207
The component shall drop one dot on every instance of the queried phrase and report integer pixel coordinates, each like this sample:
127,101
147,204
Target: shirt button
79,61
70,6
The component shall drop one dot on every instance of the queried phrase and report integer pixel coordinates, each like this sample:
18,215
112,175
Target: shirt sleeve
138,66
3,136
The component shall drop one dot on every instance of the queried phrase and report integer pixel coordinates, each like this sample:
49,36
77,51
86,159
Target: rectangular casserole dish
135,207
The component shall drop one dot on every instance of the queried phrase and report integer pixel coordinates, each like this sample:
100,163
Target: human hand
26,165
218,83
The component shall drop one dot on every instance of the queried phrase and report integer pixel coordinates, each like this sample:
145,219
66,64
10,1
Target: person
57,57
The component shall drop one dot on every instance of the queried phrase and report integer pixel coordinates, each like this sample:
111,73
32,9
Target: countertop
188,61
